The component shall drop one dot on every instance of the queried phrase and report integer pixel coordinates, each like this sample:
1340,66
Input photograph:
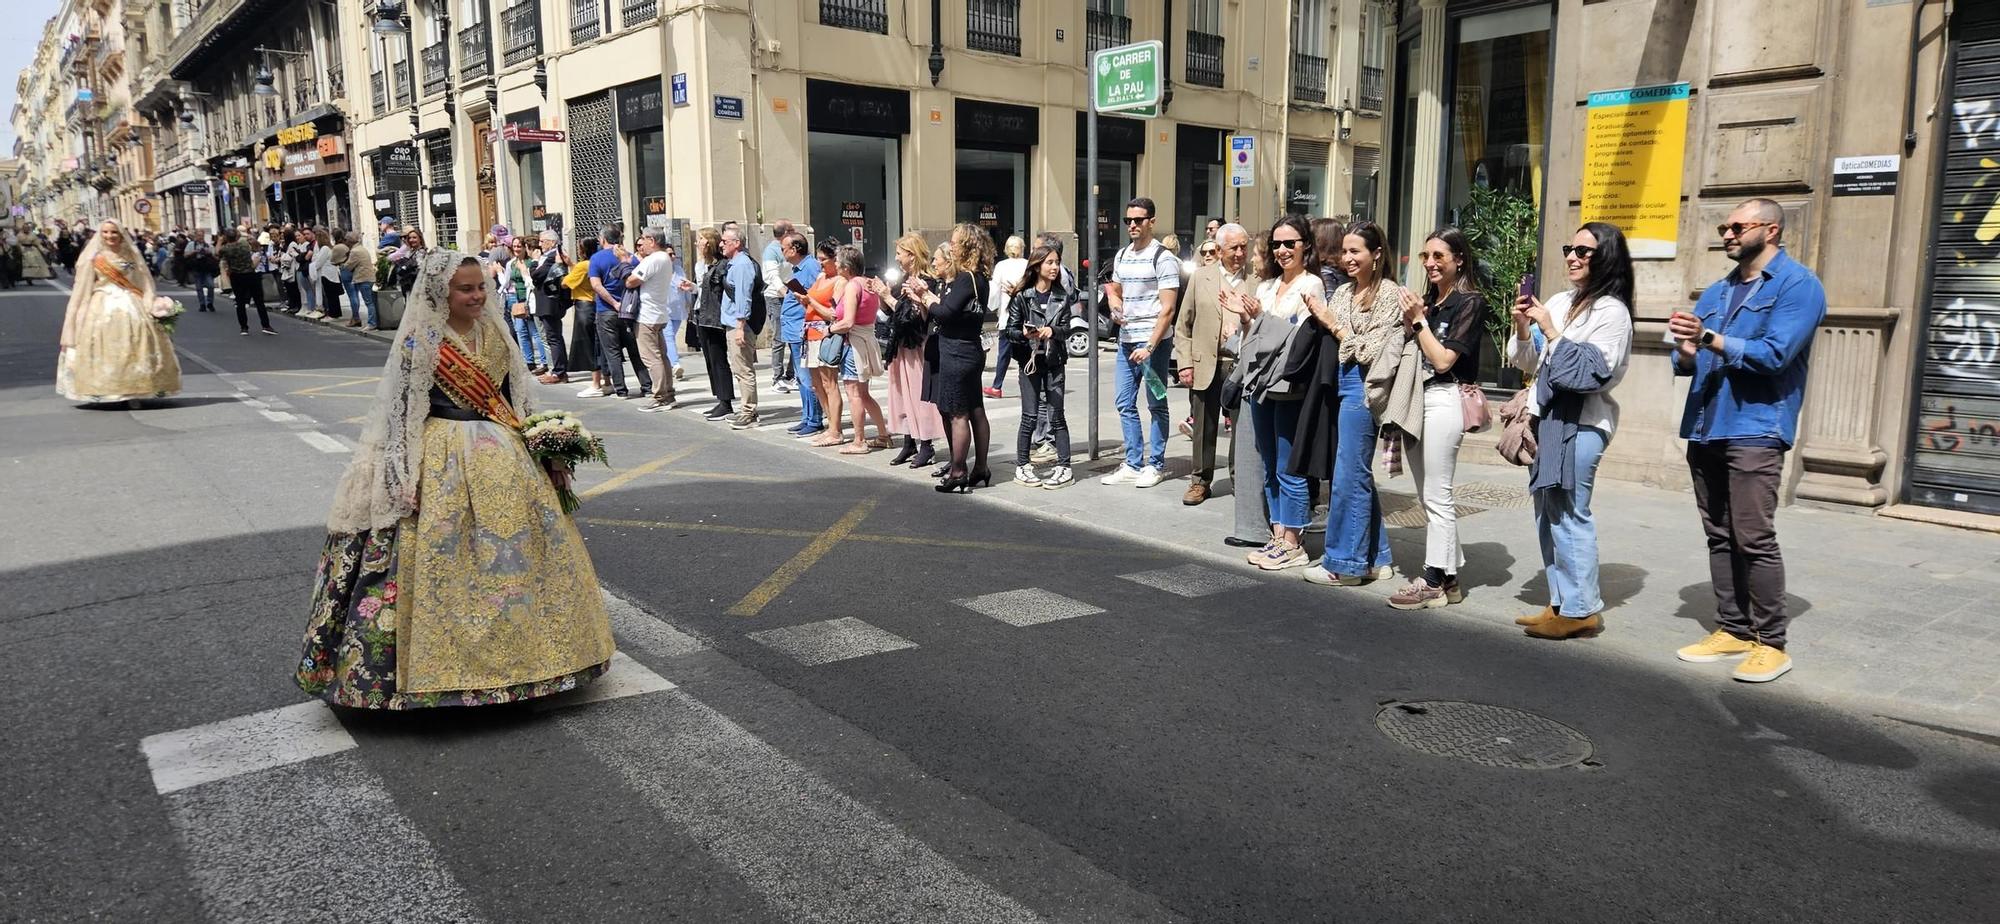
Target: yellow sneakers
1718,646
1764,665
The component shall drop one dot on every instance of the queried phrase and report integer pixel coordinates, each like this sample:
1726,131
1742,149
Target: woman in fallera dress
112,347
451,576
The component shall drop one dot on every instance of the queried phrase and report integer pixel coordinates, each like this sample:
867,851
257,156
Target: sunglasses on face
1581,251
1286,245
1737,228
1137,219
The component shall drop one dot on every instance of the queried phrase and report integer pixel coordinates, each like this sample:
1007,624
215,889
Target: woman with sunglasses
1445,323
1209,252
1576,345
1290,283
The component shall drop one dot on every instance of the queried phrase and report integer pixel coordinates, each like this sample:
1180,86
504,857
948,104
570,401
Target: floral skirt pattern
485,596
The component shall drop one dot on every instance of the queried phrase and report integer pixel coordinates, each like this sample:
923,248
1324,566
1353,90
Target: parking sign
1242,161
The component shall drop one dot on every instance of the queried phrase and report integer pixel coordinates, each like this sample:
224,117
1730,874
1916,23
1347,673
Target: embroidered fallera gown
485,595
120,352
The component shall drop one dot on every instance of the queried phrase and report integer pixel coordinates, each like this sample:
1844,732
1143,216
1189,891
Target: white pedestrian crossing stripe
1191,580
232,747
1029,607
832,640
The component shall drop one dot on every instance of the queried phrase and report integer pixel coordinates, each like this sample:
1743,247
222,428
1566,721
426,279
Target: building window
522,26
586,20
861,15
637,11
1106,25
856,190
1204,43
443,189
1305,177
993,25
1499,104
1367,176
1309,63
1376,33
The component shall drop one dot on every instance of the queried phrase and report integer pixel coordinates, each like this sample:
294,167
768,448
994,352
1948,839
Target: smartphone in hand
1527,287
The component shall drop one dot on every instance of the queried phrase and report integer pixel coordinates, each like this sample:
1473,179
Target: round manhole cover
1495,736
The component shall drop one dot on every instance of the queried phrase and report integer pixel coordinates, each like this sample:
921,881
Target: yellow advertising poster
1634,144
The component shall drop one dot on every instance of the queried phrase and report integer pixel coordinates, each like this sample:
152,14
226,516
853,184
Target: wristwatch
1707,337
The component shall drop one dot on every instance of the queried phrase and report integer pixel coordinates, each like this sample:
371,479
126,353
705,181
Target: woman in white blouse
1596,313
1290,279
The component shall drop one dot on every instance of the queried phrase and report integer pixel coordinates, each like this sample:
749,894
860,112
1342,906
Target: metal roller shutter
593,164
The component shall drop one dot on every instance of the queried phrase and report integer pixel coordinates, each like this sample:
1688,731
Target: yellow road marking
626,477
308,375
703,527
728,476
341,394
351,380
760,597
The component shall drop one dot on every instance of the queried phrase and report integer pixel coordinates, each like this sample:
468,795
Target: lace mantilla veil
380,485
126,253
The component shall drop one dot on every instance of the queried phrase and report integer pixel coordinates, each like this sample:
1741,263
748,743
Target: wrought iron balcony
303,94
521,25
1308,79
403,88
993,25
1105,30
378,94
437,67
475,51
861,15
1369,98
1204,59
586,20
336,82
638,11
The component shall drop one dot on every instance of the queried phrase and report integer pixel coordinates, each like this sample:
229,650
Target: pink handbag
1472,404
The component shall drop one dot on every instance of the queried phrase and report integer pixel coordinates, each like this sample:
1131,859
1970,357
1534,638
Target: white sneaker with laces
591,392
1026,475
1149,476
1125,474
1058,477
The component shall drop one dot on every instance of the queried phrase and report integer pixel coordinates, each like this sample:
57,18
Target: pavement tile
817,643
1028,607
1191,580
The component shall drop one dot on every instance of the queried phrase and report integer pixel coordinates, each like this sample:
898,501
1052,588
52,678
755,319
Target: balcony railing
475,51
1105,30
303,94
1308,79
437,67
1369,99
638,11
336,82
586,20
378,95
1204,59
403,88
521,31
862,15
993,25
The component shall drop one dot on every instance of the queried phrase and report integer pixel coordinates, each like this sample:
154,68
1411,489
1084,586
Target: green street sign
1127,78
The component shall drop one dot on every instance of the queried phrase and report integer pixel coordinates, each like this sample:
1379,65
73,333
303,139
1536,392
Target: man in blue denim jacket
1746,346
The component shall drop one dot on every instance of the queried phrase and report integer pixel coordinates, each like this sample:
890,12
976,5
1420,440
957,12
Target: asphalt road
853,699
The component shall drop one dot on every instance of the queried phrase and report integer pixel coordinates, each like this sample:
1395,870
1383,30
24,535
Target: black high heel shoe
942,471
955,484
926,454
909,449
983,477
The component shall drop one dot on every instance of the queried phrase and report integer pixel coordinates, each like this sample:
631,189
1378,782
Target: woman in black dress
958,308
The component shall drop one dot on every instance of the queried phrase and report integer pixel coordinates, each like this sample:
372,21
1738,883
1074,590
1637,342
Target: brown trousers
1736,489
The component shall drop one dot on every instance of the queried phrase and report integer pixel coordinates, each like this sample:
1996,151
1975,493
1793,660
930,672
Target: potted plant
1504,229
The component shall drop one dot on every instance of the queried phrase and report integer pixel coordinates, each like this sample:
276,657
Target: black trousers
1042,398
329,297
292,295
553,335
583,336
1736,489
615,343
251,289
715,356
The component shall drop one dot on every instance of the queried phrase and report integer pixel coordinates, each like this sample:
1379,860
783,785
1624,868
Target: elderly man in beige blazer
1211,316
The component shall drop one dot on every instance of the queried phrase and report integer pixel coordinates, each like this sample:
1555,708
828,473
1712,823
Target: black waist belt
454,412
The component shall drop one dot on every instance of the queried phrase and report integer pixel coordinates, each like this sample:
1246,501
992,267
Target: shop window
1367,173
1305,178
533,189
993,193
1499,105
649,177
855,184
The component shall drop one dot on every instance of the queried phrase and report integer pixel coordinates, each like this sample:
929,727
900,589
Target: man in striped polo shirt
1145,286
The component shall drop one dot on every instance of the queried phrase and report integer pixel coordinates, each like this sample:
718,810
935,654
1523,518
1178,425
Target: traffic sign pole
1090,254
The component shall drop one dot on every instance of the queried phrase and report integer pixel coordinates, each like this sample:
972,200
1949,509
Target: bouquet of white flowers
559,437
167,311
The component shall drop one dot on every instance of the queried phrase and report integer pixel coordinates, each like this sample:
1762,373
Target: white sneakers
1058,477
592,392
1136,477
1025,475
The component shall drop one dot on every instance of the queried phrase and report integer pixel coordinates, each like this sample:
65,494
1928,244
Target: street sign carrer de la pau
1127,77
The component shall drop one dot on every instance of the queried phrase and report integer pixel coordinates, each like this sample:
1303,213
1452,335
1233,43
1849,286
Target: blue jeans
308,293
1569,535
204,289
367,292
1357,541
811,417
353,298
532,351
1131,381
672,333
1284,492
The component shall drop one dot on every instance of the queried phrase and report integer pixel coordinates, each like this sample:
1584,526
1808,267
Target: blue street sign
680,85
729,107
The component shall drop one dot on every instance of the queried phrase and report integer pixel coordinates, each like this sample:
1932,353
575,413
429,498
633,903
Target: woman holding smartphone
854,320
819,301
1585,338
1039,317
1445,323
